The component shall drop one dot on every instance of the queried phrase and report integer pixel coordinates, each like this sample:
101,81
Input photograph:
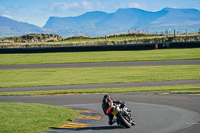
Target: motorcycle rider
107,106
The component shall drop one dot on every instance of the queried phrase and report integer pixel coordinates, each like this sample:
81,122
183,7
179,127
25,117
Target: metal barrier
102,47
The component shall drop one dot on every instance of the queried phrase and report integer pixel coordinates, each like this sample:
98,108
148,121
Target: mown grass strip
32,118
106,90
186,92
96,75
109,56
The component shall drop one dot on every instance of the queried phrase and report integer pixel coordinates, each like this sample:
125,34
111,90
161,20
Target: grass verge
32,118
95,75
107,90
108,56
186,92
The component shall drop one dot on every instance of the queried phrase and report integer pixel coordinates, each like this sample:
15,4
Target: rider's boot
133,123
112,121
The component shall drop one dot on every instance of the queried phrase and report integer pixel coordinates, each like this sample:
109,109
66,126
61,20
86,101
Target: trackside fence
194,44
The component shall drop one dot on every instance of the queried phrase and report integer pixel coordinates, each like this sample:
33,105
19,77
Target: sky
37,12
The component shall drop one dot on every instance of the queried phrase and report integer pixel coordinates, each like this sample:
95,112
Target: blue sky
37,12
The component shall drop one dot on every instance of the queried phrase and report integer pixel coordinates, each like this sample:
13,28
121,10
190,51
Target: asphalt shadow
91,128
101,128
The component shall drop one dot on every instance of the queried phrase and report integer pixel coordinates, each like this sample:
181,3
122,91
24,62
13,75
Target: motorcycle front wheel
123,121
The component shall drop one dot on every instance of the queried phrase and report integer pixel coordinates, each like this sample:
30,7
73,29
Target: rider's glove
122,104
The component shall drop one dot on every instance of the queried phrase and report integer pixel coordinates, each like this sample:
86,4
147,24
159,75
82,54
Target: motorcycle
123,115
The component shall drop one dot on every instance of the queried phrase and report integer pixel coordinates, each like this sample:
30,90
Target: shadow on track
100,128
92,128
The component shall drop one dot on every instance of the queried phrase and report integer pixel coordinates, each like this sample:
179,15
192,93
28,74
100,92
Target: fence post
156,46
166,32
174,32
186,32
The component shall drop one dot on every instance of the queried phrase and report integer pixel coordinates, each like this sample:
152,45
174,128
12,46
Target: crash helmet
106,97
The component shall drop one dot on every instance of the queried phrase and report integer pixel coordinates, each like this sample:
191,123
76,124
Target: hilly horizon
10,27
98,23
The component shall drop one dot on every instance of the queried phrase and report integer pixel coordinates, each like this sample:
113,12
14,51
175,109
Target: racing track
103,64
152,113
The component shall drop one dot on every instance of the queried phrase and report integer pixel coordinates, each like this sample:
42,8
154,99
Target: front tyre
123,121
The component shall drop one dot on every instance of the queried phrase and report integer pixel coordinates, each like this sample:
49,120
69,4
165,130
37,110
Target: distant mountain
9,27
101,23
98,23
178,17
126,18
85,21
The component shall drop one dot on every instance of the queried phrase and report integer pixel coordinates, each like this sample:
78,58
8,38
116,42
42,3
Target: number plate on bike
115,112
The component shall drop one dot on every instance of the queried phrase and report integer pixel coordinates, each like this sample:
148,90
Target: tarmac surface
103,64
93,86
152,113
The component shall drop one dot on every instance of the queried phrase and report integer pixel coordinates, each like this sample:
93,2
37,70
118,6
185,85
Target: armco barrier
195,44
102,47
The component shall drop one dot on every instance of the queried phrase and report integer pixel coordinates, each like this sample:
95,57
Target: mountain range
9,27
99,23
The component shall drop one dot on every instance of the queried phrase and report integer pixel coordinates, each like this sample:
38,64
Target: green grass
125,36
186,92
111,56
32,118
94,75
117,37
114,37
194,88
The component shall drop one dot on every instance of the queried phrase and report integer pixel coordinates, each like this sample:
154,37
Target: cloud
129,5
7,16
2,7
4,11
137,5
87,5
134,5
81,5
63,6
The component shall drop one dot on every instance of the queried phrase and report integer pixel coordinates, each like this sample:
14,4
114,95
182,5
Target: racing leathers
107,106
